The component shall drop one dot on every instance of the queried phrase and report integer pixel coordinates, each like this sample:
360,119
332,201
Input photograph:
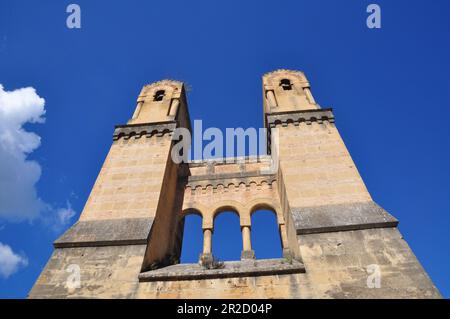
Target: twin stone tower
336,241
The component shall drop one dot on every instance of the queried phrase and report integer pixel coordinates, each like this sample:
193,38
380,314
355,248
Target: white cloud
63,217
18,176
10,262
19,200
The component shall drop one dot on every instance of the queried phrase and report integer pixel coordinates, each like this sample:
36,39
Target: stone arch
267,204
266,232
262,203
226,241
191,211
228,205
285,83
193,242
192,208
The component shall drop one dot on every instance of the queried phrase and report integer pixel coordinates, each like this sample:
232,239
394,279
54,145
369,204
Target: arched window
159,95
227,238
192,239
286,84
266,240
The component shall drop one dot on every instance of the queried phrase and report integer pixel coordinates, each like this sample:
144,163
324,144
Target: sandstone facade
128,239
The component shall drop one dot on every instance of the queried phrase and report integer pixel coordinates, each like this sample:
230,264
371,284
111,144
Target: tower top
165,82
284,72
159,102
287,90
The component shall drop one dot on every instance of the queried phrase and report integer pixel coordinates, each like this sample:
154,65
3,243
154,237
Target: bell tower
315,165
134,201
286,90
158,102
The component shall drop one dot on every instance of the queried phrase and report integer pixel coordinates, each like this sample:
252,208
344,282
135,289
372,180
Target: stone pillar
174,108
284,242
206,257
271,99
247,252
138,109
309,95
207,239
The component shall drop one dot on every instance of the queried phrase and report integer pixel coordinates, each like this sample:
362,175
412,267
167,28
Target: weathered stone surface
337,265
351,216
105,272
109,232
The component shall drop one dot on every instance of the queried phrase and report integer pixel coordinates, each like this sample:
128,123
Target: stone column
206,257
247,252
174,108
271,99
138,109
207,239
284,242
309,95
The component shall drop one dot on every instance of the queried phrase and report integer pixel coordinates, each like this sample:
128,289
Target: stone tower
337,242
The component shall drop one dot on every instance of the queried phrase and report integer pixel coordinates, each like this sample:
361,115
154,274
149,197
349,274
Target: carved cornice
231,160
158,129
297,117
226,181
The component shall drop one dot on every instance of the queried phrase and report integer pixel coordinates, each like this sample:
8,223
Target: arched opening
227,238
286,84
159,95
266,239
192,238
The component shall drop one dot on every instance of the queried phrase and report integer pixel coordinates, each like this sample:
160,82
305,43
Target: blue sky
388,88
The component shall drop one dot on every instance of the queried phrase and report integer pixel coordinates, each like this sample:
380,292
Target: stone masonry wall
105,272
316,166
130,180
